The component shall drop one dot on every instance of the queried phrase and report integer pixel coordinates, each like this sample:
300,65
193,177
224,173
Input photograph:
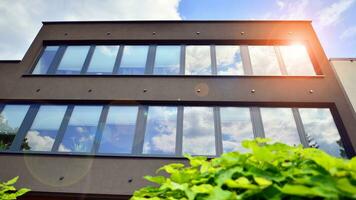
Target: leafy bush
8,191
270,171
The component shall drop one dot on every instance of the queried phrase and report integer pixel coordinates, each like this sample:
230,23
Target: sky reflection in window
264,60
167,60
198,131
228,60
198,60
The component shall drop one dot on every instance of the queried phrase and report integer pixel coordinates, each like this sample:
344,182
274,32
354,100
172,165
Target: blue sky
333,20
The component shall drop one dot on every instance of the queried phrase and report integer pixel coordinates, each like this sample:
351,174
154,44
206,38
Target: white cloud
20,20
280,4
293,9
332,14
349,33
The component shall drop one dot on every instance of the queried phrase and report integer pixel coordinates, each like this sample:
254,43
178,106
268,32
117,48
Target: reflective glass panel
236,126
297,60
167,60
119,130
80,133
321,131
11,119
160,135
103,60
73,60
198,131
46,59
279,125
228,60
44,128
264,60
133,60
198,60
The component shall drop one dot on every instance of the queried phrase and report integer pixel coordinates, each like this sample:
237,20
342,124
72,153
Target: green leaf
156,179
262,181
12,181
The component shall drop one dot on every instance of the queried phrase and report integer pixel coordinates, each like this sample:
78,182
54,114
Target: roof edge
174,21
342,59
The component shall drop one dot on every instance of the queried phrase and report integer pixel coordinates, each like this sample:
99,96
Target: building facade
345,69
95,106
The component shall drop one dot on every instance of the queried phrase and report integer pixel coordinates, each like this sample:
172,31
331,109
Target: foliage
270,171
9,192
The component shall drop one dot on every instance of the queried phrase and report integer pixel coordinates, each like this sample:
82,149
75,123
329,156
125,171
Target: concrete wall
110,175
346,71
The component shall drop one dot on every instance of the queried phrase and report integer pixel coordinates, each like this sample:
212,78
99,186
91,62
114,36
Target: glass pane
198,60
167,60
228,60
236,126
133,60
80,133
264,60
198,131
321,131
297,60
73,60
45,61
103,60
44,129
160,135
10,121
279,125
119,130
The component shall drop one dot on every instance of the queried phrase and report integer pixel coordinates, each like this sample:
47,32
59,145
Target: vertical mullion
218,132
300,127
100,129
182,60
214,69
56,60
118,60
62,128
1,108
150,59
25,126
281,63
179,134
139,137
87,60
246,60
257,123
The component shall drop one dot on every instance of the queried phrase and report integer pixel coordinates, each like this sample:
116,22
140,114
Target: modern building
94,106
345,69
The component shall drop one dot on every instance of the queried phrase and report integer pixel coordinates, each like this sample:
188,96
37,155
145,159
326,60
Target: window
119,131
236,126
103,60
279,125
264,60
160,134
134,60
321,131
198,60
80,133
150,59
46,60
165,130
167,60
198,131
297,60
44,129
228,60
73,60
11,118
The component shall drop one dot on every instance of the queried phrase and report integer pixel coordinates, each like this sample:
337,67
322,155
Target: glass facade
80,133
160,60
11,118
167,60
166,130
103,60
73,60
